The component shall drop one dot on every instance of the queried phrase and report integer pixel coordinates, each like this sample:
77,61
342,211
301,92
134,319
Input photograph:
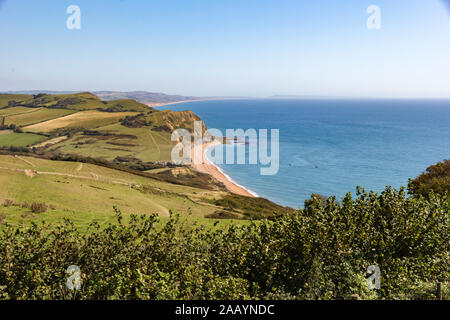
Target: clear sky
228,47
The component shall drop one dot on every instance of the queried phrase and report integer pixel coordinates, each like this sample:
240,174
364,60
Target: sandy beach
163,104
207,167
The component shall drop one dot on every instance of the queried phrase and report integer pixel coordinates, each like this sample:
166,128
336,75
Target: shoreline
163,104
210,168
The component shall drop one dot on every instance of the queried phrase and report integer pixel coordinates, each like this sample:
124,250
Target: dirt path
156,145
26,161
94,175
80,166
20,113
32,173
163,138
50,142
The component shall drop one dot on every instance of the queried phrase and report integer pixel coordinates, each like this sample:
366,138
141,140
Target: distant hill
78,153
90,126
294,97
78,101
140,96
144,96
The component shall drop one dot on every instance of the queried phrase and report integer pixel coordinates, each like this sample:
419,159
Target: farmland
85,119
19,139
16,111
35,115
62,184
88,155
118,140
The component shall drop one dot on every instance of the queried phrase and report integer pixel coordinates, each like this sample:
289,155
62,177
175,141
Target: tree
436,179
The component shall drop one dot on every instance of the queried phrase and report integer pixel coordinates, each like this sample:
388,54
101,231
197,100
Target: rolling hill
141,96
82,156
144,96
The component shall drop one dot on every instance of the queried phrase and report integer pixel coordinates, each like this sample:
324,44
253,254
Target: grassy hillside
125,128
84,119
146,137
115,153
88,192
15,111
78,101
9,138
35,115
6,98
115,140
91,190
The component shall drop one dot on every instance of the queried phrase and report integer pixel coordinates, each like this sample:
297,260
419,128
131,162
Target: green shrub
436,179
222,215
8,203
38,207
319,253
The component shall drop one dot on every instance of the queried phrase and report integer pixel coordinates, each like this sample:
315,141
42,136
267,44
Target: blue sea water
331,146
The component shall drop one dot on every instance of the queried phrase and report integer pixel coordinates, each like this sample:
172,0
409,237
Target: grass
5,98
36,115
141,143
79,101
92,190
87,192
158,170
20,139
15,111
85,119
126,105
17,216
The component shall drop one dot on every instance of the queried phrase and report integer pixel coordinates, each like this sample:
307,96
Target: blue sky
230,47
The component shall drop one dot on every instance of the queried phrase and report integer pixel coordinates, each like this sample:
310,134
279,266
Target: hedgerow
321,252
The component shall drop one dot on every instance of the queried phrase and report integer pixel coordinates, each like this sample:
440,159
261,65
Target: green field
141,143
86,119
5,98
35,115
16,111
79,101
20,139
147,143
89,191
16,215
84,126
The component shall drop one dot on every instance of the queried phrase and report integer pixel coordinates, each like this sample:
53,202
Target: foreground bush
38,207
321,252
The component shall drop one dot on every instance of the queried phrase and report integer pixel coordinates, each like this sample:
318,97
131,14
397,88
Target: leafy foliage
75,101
38,207
436,179
253,208
321,252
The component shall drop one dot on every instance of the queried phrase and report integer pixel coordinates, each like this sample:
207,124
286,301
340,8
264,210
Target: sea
330,147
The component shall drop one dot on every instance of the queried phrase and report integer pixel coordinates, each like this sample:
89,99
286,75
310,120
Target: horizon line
234,97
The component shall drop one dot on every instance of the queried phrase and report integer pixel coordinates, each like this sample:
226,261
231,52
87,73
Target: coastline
210,168
163,104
